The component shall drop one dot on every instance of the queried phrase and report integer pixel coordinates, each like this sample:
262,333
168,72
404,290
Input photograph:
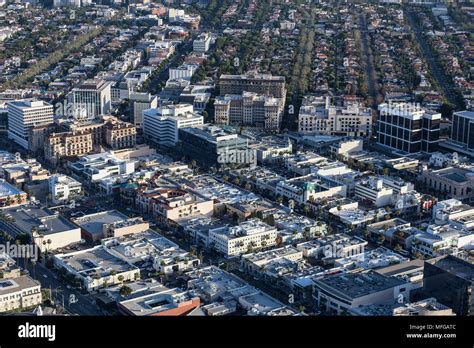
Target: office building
451,281
48,229
19,293
250,235
249,109
91,99
462,129
25,114
454,182
120,135
407,128
67,144
96,267
373,191
139,103
63,188
261,84
202,44
162,124
318,116
212,146
342,292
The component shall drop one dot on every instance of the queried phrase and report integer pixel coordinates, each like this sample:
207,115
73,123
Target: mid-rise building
318,116
407,128
212,146
99,166
450,280
261,84
67,144
373,191
342,292
23,115
91,99
120,135
202,44
249,109
454,182
185,72
139,103
250,235
462,129
68,3
162,124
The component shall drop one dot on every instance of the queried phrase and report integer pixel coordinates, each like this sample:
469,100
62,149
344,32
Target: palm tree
19,198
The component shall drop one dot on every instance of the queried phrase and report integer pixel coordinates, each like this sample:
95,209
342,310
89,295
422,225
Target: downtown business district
165,168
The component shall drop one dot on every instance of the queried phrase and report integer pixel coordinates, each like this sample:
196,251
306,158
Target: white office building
92,98
63,187
250,235
162,124
23,115
374,191
202,44
183,72
318,116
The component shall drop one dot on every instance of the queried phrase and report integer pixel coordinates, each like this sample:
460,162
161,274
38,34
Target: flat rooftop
94,223
95,261
455,266
354,285
11,285
30,216
154,303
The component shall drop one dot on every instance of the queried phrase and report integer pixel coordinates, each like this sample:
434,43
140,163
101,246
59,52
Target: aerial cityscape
306,158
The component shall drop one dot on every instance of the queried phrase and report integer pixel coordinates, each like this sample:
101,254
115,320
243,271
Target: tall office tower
25,114
462,130
90,99
408,128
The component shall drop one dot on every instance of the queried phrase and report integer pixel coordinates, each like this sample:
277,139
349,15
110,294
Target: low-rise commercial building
64,188
96,267
48,230
19,293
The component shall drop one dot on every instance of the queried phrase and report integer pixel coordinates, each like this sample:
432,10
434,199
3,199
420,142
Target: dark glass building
462,130
212,146
407,128
450,280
